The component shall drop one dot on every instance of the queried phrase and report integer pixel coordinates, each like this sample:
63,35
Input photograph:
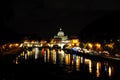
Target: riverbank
99,57
11,51
9,55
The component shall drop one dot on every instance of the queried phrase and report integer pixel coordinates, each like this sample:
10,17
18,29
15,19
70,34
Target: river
58,65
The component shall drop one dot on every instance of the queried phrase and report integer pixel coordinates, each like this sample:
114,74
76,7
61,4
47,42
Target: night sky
46,16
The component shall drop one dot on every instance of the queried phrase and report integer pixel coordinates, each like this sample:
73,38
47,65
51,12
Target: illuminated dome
60,33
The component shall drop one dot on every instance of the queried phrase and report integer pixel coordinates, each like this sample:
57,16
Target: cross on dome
60,29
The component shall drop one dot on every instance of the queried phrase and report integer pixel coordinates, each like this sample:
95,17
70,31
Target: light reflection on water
71,62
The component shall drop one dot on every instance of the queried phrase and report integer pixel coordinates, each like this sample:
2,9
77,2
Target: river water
41,64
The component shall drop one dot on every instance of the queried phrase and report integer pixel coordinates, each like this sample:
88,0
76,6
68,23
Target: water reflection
71,62
54,56
67,59
77,63
98,66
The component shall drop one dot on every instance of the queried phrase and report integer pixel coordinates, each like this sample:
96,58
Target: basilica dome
60,33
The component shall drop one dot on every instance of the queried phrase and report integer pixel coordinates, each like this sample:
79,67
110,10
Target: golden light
3,46
89,63
75,41
26,41
72,44
98,69
21,45
90,66
110,71
77,63
110,45
48,55
10,46
52,41
54,56
98,45
77,44
16,45
16,62
69,44
67,59
28,45
90,45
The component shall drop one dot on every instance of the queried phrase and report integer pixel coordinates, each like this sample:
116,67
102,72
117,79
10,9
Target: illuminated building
74,41
60,35
60,39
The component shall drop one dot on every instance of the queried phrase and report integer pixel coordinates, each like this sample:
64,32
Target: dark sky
46,16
